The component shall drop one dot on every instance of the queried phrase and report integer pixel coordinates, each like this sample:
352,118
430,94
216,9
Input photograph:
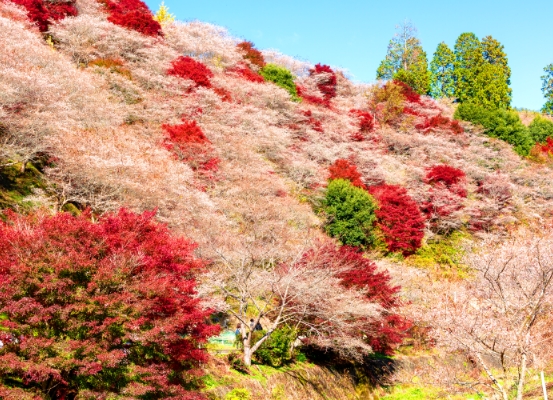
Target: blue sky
354,34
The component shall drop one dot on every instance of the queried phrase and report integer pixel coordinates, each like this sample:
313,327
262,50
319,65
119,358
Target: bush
280,76
540,129
351,213
407,91
387,102
501,124
277,349
43,13
246,73
399,218
251,54
439,122
98,310
188,68
326,85
452,178
366,120
343,169
134,15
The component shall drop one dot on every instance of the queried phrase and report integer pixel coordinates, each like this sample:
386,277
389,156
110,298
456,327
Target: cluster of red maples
251,54
134,15
326,83
43,13
440,122
90,309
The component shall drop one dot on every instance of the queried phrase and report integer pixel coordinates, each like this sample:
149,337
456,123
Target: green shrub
351,213
277,349
238,394
540,129
498,123
280,76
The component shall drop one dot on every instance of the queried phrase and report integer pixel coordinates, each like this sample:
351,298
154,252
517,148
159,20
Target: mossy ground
16,186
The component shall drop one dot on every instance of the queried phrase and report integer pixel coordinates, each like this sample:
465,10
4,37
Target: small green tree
499,123
540,129
280,76
406,60
351,213
547,89
163,16
442,79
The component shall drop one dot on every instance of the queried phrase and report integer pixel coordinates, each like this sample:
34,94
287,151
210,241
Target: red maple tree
134,15
97,310
188,68
44,13
343,169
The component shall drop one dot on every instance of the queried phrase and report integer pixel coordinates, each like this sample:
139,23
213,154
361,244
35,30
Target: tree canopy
442,79
547,89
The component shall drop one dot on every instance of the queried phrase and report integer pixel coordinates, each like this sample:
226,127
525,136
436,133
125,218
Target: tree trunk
521,377
492,377
23,167
247,356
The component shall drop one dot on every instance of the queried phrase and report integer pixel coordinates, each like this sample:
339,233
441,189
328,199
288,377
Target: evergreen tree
468,64
405,60
442,79
481,71
547,89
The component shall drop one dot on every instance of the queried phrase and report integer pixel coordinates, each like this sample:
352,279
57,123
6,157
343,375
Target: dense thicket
98,309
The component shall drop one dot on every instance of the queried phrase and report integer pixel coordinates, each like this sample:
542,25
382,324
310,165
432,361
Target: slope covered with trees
317,217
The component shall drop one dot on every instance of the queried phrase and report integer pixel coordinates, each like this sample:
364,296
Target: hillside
96,116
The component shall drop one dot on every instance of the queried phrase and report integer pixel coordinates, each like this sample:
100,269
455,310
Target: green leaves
280,76
547,89
442,79
351,213
406,60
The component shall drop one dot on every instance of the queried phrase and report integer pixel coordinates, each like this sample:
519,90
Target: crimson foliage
315,123
361,273
43,13
98,310
440,122
399,218
366,120
246,73
188,68
452,178
408,93
326,84
251,54
319,101
134,15
343,169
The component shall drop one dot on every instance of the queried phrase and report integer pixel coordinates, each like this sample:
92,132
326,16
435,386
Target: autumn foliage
98,310
408,93
440,122
43,13
452,178
246,73
188,68
134,15
399,218
251,54
326,80
343,169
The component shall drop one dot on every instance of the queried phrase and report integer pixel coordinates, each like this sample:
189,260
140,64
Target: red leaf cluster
366,123
189,144
399,218
343,169
251,54
188,68
452,178
246,73
223,93
361,273
42,13
112,304
327,83
547,147
318,101
134,15
315,123
440,122
408,93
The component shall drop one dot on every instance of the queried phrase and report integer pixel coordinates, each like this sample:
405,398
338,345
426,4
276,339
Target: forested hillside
165,186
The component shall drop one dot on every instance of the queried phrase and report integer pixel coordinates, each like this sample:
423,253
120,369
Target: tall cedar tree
406,60
547,89
482,74
351,213
399,218
98,310
442,79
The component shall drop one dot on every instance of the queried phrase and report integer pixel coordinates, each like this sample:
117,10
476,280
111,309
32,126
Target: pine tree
405,60
442,79
547,89
494,54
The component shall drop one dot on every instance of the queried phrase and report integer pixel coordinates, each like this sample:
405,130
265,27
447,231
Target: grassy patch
15,186
425,393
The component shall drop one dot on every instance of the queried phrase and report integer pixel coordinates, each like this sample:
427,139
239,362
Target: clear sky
354,34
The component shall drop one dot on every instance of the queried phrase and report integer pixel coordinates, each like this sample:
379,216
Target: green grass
425,393
15,186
